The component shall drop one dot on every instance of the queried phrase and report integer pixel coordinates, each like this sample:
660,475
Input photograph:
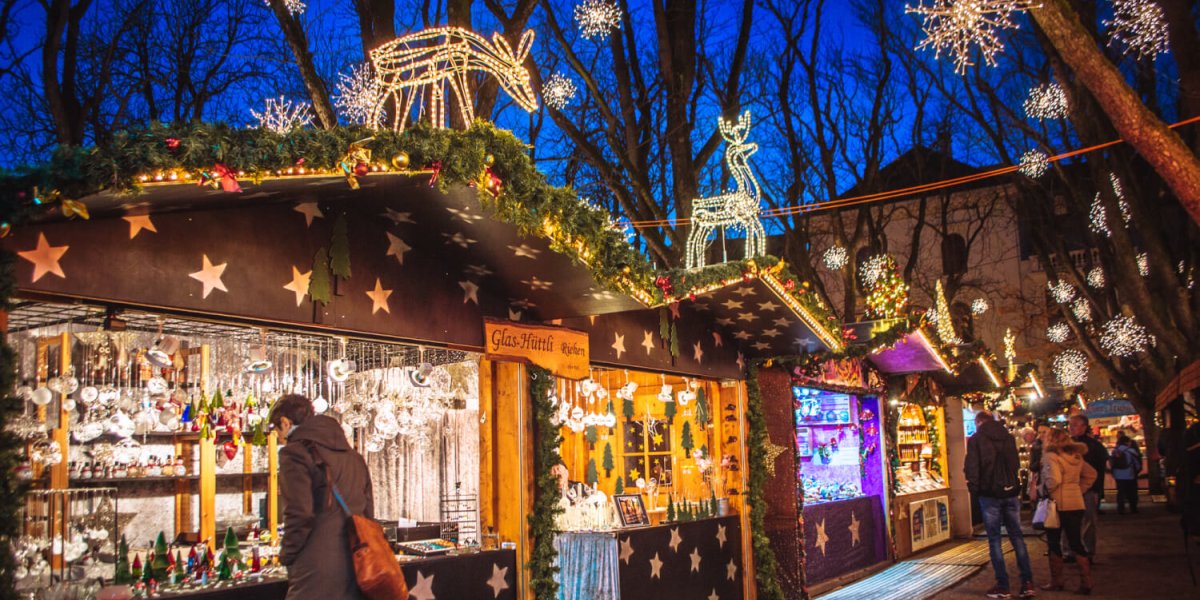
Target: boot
1085,578
1056,574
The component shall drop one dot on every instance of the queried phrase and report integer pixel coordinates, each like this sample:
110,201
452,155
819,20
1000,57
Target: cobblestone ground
1140,556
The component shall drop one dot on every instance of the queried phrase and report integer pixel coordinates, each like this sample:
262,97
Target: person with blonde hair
1065,476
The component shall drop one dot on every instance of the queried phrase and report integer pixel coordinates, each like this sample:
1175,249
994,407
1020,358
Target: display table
680,560
488,574
843,536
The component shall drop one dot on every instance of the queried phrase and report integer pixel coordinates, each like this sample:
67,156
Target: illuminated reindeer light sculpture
442,56
736,208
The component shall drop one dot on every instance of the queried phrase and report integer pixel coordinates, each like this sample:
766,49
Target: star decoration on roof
626,550
747,316
713,595
720,536
771,451
697,353
423,590
45,258
725,321
618,344
537,284
523,303
718,341
463,215
396,247
695,556
603,295
822,539
656,567
299,284
782,322
209,275
397,217
732,304
498,581
674,307
310,210
379,298
701,306
477,270
742,335
853,527
139,222
744,291
648,341
457,238
470,292
731,571
525,250
741,361
768,305
676,539
771,333
760,345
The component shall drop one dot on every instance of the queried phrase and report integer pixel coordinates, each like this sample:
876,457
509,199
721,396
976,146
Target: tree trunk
676,22
458,14
65,109
376,23
1161,147
293,32
1185,49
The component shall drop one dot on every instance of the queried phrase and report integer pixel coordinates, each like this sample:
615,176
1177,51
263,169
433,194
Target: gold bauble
489,160
400,161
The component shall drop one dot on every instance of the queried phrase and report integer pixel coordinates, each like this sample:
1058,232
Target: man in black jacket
992,470
1097,456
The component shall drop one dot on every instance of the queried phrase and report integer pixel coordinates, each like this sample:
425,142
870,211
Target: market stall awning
913,353
423,265
1188,379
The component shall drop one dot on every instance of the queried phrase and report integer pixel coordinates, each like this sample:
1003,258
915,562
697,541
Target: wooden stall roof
914,353
425,266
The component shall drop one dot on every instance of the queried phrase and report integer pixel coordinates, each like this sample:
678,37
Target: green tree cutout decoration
685,439
591,435
671,514
339,252
608,460
592,475
702,416
627,408
669,410
619,486
320,287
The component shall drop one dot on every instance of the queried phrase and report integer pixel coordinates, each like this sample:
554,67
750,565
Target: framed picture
631,509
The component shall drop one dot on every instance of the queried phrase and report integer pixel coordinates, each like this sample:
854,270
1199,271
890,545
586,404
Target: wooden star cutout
782,322
139,222
210,276
718,341
741,362
697,353
536,284
721,536
299,284
853,527
726,321
478,270
676,539
525,251
713,595
768,305
379,298
656,567
658,439
423,590
760,345
771,451
45,258
822,539
747,316
459,239
744,291
471,293
618,344
772,332
310,210
695,556
626,550
648,341
733,304
731,570
499,581
742,335
634,474
396,247
674,306
397,217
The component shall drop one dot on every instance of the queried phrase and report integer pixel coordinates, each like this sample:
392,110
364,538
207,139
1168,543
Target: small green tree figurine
671,508
339,252
320,287
124,575
715,505
685,439
608,459
592,476
161,565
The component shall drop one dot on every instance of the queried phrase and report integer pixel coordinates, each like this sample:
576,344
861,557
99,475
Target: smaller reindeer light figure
735,208
446,56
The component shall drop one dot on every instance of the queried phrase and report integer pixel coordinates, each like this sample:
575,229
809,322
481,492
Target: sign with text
563,352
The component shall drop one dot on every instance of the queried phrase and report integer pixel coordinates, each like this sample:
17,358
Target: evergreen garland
542,530
12,490
766,568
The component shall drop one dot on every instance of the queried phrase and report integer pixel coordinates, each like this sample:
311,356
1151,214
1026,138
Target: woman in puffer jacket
1064,476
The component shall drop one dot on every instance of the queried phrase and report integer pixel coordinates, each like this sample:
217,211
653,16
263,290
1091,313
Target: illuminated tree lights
1143,264
836,258
294,7
1058,333
1070,368
873,268
558,91
596,18
1097,219
1034,164
357,95
281,116
1095,277
1046,101
945,321
1082,310
979,306
1140,26
887,294
1061,291
955,26
1122,336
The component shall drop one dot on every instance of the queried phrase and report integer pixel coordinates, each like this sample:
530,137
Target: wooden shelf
115,481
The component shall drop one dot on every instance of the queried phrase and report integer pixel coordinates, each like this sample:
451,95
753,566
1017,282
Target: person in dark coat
991,468
314,546
1097,456
1126,462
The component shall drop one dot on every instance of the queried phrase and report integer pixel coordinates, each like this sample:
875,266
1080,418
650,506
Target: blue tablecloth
587,564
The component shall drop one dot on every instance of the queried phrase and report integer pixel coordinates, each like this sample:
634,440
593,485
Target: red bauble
361,169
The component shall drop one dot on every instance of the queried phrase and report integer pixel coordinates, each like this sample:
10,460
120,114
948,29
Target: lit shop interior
838,441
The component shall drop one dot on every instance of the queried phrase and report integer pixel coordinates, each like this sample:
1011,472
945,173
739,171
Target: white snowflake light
954,26
294,7
1140,26
1122,336
1061,291
872,269
1046,101
558,91
1143,263
281,116
1097,219
1119,192
1095,277
357,95
1070,368
979,306
836,258
1058,333
1034,164
1082,310
596,18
